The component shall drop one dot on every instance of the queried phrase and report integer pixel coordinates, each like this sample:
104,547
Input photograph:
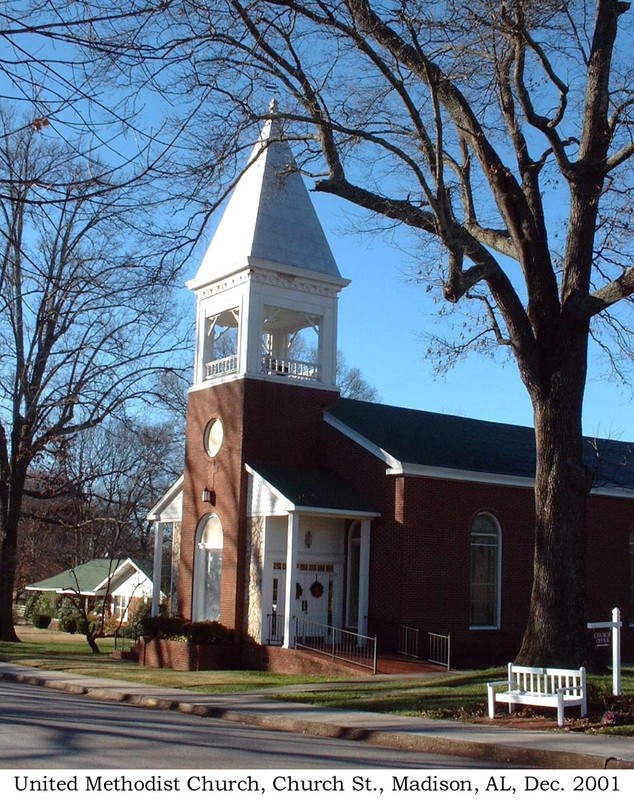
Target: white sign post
615,630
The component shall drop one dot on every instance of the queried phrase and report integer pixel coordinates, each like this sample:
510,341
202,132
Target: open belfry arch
267,534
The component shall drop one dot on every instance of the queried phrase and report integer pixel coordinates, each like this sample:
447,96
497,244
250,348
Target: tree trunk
10,505
92,641
556,632
7,580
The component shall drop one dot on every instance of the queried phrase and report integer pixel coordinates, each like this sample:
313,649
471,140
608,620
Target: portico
309,554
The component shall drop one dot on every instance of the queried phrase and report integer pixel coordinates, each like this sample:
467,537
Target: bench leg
491,698
560,711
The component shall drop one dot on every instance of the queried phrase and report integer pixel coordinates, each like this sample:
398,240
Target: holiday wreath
316,589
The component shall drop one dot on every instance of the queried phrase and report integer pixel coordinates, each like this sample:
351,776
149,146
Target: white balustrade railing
221,366
293,368
290,367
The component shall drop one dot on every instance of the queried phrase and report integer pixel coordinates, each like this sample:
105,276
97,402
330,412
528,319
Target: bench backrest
546,680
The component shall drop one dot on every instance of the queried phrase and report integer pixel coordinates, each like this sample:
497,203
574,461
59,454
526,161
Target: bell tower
268,285
264,369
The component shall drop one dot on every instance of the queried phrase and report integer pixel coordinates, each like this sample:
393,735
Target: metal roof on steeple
270,219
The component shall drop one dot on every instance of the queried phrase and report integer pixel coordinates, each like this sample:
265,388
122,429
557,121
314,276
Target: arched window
208,570
354,561
631,574
486,546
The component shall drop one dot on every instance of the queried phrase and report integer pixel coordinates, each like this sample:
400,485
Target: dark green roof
313,488
85,578
429,439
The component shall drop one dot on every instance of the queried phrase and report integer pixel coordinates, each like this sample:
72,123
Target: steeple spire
270,219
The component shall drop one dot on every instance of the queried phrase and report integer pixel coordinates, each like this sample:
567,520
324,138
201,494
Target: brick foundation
186,657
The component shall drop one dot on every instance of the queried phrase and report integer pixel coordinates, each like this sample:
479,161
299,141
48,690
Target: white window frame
200,564
352,603
497,536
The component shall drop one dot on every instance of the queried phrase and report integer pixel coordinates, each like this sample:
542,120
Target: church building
304,516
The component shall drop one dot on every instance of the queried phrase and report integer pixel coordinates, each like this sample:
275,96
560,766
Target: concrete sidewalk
557,749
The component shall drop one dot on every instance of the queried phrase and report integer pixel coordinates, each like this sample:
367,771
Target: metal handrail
337,643
440,649
408,641
275,624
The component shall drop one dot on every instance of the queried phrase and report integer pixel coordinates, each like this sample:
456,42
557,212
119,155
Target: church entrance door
315,594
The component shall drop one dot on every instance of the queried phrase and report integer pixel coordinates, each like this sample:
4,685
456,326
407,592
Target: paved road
43,729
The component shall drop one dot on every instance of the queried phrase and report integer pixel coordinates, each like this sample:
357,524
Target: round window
214,434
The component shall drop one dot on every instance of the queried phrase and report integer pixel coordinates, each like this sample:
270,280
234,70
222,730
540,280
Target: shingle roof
444,441
313,489
270,216
85,578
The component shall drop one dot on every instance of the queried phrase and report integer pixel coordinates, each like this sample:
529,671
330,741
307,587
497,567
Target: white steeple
270,218
268,284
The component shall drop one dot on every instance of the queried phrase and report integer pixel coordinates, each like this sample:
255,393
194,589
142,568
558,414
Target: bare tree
84,316
502,133
498,130
108,478
122,467
52,79
352,384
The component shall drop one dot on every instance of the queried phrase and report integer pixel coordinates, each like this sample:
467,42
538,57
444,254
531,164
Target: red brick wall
294,662
185,657
420,554
263,422
284,423
222,475
420,551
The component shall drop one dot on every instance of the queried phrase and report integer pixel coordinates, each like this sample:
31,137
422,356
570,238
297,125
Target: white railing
440,649
302,370
221,366
408,641
336,643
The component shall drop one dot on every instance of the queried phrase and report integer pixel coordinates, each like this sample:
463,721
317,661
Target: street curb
413,742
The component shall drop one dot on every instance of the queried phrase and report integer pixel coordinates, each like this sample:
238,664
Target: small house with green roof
120,582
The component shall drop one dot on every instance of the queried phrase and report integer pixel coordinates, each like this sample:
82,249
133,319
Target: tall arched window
486,546
354,561
631,574
208,569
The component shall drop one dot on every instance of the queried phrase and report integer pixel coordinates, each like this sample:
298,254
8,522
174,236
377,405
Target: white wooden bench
540,686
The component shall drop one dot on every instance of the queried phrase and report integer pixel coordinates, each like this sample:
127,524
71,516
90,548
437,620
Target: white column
158,567
364,577
266,586
291,578
616,652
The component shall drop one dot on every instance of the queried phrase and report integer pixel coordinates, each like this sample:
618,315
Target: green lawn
456,695
71,654
443,695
